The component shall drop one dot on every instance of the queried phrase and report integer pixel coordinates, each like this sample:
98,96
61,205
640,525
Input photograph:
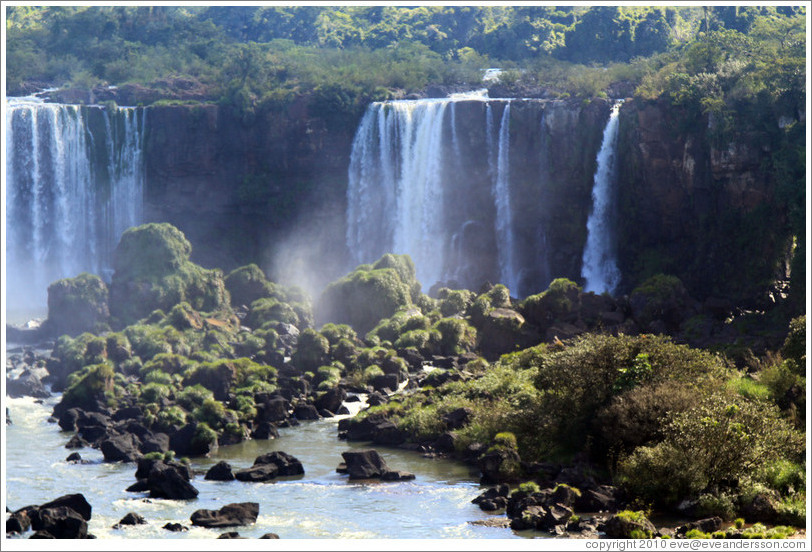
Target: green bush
454,302
88,386
456,336
794,349
312,350
248,284
271,311
559,301
154,392
193,396
169,417
211,412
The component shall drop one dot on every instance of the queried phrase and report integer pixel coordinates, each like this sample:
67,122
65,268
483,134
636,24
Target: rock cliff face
237,185
697,205
688,203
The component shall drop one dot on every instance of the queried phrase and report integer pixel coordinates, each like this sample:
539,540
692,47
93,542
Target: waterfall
418,186
75,181
599,268
501,196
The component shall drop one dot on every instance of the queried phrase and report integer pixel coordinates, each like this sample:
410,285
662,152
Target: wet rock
76,502
74,458
368,464
221,471
185,443
265,430
331,399
284,462
269,536
18,522
76,442
155,442
622,526
121,448
166,481
257,474
230,535
275,409
26,385
130,519
231,515
707,525
493,499
175,527
306,412
60,521
395,475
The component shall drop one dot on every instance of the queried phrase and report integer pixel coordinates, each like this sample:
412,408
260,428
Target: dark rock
257,474
530,518
231,515
274,409
385,382
364,464
74,457
62,522
557,514
140,486
342,411
218,380
26,385
494,498
707,525
286,463
76,442
376,399
564,495
221,471
155,442
128,413
95,434
457,418
445,442
265,430
397,476
269,536
601,500
42,535
331,399
121,448
175,527
18,522
621,526
324,413
183,442
131,519
230,535
763,507
496,465
166,481
306,412
76,502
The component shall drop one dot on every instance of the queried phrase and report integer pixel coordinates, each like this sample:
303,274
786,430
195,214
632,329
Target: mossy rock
661,298
312,350
77,305
368,295
247,284
560,302
87,388
153,271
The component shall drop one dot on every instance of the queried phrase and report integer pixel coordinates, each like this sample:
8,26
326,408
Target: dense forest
250,56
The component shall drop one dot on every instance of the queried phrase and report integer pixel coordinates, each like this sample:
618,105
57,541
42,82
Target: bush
794,349
269,312
561,299
193,396
454,302
456,336
88,386
170,417
247,284
211,412
154,392
312,350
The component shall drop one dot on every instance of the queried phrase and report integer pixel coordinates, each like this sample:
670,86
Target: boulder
503,331
175,527
597,500
230,535
284,462
131,518
166,481
275,409
395,475
186,442
265,430
707,525
18,522
269,536
306,412
331,399
77,305
62,522
155,442
121,448
26,385
230,515
385,382
221,471
499,465
364,464
557,514
457,418
257,474
76,502
626,525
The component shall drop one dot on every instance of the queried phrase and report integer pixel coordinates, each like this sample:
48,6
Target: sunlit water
321,504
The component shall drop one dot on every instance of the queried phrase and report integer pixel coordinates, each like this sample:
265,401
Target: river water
320,505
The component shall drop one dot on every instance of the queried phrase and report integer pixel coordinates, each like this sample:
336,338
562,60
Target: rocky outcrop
230,515
368,464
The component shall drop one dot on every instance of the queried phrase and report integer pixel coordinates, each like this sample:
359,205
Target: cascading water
599,267
75,181
418,186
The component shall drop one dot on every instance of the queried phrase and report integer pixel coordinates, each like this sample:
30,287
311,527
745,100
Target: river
320,505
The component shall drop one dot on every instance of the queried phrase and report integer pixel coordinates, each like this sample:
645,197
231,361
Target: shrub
312,350
337,332
529,487
454,302
204,437
749,388
172,416
738,523
696,534
721,505
559,300
661,297
211,412
88,386
154,392
193,396
456,336
247,284
794,349
183,317
147,340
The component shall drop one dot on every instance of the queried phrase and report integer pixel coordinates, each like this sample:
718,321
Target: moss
170,417
312,350
337,332
88,386
269,312
183,317
454,302
77,305
364,297
211,412
193,396
247,284
456,336
696,534
153,271
204,437
559,300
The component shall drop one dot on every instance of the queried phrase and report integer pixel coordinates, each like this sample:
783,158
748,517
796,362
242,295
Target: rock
499,465
564,495
230,535
763,507
306,412
77,305
622,526
60,521
145,466
18,522
175,527
707,525
503,331
500,491
166,481
76,442
155,442
221,471
274,409
139,486
121,448
385,382
42,535
257,474
530,518
331,399
376,399
397,476
269,536
265,430
457,418
131,518
601,500
185,442
26,385
285,463
74,458
76,502
364,464
231,515
69,417
557,514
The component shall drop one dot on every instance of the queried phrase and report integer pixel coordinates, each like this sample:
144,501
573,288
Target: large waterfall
75,180
599,269
421,183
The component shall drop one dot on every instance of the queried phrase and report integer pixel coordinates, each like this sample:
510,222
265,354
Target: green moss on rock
77,305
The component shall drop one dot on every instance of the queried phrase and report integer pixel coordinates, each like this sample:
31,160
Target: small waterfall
501,196
599,267
75,182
